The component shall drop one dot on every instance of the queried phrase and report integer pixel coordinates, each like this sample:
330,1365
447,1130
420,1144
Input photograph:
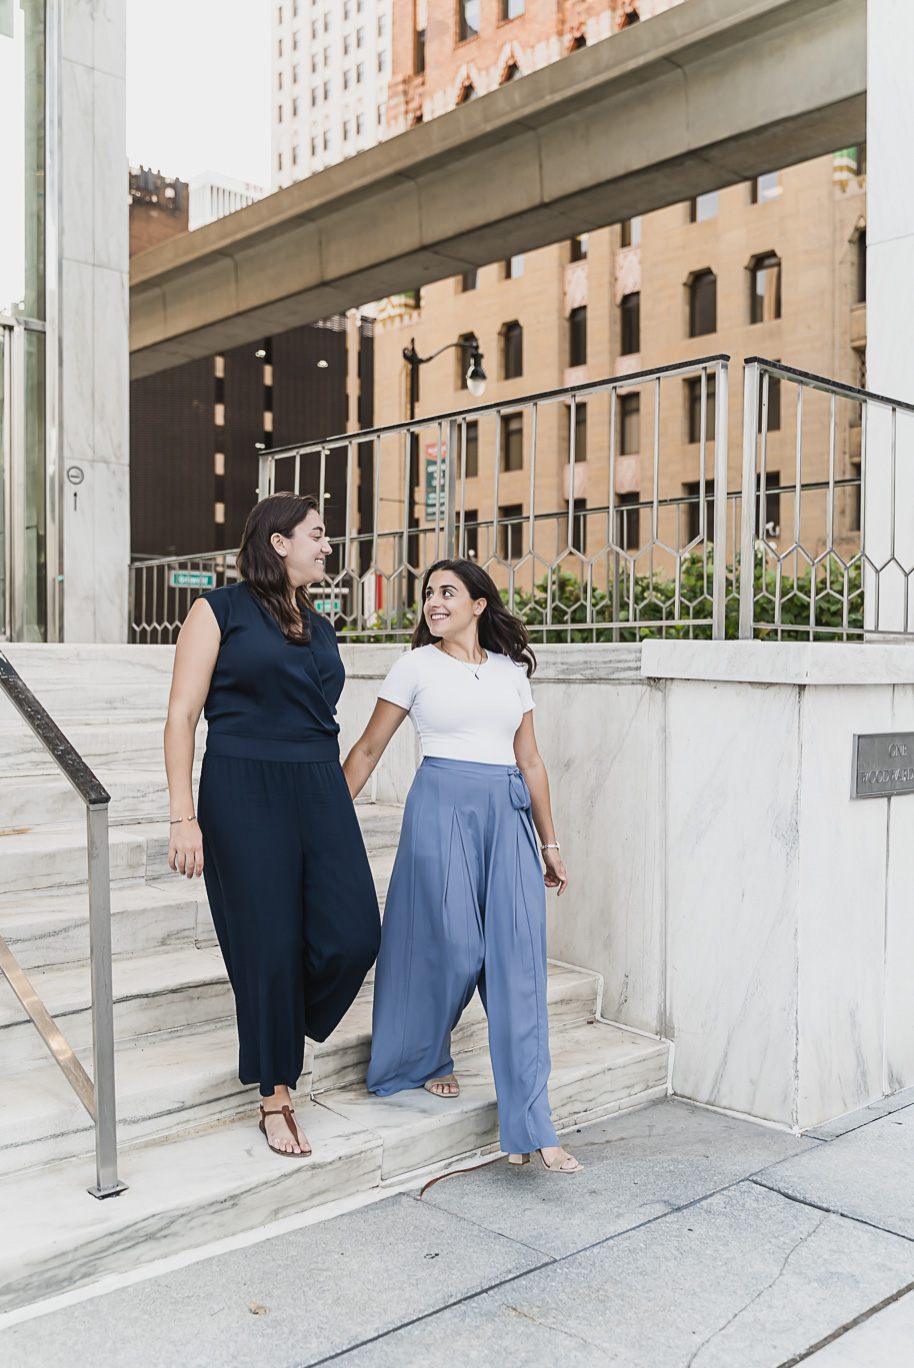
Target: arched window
765,296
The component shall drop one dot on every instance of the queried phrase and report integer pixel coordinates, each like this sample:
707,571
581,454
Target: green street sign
192,579
326,605
434,498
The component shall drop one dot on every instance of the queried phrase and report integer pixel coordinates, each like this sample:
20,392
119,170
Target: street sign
326,605
192,579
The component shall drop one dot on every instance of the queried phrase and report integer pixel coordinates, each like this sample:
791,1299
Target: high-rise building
158,208
331,68
212,196
772,267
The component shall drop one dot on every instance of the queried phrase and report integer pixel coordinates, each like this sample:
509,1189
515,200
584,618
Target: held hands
185,848
554,875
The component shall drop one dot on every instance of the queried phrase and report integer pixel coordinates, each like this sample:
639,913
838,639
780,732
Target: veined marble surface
772,662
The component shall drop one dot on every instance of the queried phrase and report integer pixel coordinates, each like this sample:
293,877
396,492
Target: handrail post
719,584
450,492
751,375
107,1184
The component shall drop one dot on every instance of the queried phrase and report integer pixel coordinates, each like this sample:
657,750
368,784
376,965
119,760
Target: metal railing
839,565
619,541
97,1093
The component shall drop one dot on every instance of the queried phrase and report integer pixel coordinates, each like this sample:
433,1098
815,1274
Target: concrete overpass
704,95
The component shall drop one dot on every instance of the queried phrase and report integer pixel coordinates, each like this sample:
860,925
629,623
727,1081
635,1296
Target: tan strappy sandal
448,1096
288,1113
554,1167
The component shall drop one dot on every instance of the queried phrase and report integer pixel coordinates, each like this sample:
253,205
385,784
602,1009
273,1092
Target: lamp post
476,384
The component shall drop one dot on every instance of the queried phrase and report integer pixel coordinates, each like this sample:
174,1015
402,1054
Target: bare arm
371,745
195,660
530,763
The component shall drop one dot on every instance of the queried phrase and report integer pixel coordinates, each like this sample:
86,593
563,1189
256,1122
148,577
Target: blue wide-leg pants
466,908
293,902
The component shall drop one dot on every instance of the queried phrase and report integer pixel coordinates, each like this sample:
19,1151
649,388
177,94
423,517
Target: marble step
104,700
37,800
83,664
168,1084
104,745
224,1180
49,930
55,856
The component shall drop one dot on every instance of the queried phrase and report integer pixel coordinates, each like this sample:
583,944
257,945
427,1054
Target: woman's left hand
555,876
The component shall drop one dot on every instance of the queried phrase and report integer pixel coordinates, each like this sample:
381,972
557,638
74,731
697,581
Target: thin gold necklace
470,665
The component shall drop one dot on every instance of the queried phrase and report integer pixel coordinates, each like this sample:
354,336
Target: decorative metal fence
576,502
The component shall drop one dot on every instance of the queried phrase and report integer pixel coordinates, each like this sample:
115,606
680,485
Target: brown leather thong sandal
288,1113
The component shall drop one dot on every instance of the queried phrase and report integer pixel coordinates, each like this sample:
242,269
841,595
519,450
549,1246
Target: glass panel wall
23,299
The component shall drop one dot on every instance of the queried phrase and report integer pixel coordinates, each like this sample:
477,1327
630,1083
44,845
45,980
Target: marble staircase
196,1166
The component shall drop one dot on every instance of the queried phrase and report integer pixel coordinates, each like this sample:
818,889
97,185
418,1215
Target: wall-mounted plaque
883,765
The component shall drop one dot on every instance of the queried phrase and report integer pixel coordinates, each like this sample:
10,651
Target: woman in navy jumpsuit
278,840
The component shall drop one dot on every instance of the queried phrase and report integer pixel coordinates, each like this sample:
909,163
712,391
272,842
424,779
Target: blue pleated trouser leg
466,907
293,902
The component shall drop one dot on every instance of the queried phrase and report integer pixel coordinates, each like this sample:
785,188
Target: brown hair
498,629
262,567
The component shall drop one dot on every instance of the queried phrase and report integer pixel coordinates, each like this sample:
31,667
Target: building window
577,336
314,62
629,424
631,232
382,113
861,267
468,281
315,96
579,247
767,187
347,44
296,8
296,107
280,47
347,10
577,526
765,299
630,311
326,140
315,28
512,441
511,531
382,61
326,90
512,9
327,23
382,25
471,462
279,80
580,433
471,533
513,350
347,130
360,73
420,52
463,357
467,93
628,521
314,147
360,38
772,526
296,155
279,19
296,40
347,78
774,403
514,267
326,56
703,207
296,72
694,387
467,20
703,304
279,161
279,114
693,510
359,124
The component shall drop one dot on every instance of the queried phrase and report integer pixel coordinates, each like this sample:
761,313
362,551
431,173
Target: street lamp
476,384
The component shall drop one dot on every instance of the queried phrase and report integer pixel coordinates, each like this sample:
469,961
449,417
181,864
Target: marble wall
733,896
94,336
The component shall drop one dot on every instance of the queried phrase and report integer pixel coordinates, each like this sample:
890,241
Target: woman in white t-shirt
466,905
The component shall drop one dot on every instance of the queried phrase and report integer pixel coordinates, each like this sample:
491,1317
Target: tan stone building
773,268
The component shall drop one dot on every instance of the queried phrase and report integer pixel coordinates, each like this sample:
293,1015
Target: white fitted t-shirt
457,716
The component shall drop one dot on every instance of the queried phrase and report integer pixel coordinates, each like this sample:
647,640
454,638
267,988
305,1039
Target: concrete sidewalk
692,1240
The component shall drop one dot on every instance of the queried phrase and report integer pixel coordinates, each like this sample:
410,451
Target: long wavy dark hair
263,569
498,629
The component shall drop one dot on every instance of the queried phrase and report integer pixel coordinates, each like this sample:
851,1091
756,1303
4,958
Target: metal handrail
96,1094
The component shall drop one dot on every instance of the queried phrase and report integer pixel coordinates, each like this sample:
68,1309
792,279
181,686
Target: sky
198,87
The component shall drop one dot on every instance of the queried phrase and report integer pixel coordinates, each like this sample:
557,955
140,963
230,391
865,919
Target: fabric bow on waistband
520,794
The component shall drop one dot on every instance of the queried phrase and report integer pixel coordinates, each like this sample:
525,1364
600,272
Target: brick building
775,267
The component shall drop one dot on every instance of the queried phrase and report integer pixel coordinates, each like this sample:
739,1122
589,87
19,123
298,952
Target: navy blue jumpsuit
287,876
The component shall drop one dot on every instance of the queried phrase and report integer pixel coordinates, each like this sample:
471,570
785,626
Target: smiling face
305,553
448,608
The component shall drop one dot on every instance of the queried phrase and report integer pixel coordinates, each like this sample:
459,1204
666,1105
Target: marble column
890,305
94,339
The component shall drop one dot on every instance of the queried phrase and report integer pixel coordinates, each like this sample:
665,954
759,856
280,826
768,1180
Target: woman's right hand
185,848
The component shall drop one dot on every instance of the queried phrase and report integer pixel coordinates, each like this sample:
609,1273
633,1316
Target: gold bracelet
175,820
